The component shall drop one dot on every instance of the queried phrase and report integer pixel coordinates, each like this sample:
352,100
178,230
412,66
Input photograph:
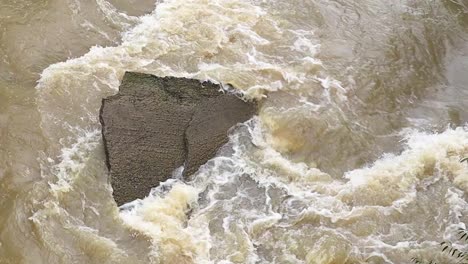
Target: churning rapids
353,157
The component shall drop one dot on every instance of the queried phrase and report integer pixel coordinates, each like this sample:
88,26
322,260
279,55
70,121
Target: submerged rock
155,125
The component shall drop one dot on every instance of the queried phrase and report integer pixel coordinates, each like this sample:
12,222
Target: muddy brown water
353,157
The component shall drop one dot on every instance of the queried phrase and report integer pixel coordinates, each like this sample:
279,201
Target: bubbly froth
353,157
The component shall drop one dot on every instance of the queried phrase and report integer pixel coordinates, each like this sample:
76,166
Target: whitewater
354,156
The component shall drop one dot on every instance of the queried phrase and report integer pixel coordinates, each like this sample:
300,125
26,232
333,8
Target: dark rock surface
155,125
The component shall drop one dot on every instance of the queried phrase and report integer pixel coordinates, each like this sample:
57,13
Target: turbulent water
353,157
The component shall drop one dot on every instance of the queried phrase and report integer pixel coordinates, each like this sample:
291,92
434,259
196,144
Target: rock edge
155,125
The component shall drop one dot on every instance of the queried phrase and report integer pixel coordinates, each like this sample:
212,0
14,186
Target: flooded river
353,156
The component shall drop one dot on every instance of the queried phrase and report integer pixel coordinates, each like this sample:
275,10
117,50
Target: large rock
155,125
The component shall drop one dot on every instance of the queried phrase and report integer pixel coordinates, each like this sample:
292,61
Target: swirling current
354,156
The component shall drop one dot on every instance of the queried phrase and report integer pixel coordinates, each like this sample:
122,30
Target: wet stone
155,125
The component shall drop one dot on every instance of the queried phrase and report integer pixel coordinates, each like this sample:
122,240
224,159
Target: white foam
238,43
73,160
